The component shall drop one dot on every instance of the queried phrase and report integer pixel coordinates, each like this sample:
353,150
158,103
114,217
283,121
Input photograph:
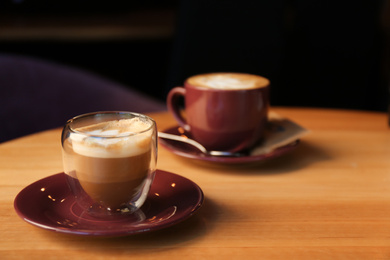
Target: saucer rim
224,159
107,232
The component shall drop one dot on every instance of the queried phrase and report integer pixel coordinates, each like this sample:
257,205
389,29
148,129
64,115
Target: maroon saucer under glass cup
110,185
110,161
223,111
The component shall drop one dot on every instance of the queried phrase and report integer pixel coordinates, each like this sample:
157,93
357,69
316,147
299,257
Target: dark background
316,53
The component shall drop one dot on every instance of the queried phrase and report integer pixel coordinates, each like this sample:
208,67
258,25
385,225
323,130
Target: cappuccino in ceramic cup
110,158
223,111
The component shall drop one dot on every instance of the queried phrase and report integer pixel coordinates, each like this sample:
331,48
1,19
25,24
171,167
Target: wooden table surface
328,199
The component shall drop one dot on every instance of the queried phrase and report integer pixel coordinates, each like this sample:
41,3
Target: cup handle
173,106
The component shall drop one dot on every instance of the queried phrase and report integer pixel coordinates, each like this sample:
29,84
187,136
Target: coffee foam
228,81
113,139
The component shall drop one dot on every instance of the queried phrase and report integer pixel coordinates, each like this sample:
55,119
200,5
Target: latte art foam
228,81
112,139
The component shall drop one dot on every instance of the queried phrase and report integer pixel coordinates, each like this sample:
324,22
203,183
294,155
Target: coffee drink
110,160
223,111
227,81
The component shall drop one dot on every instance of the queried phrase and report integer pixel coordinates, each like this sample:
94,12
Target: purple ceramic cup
223,111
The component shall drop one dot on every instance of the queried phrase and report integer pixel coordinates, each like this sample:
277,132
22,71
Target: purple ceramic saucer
49,204
188,151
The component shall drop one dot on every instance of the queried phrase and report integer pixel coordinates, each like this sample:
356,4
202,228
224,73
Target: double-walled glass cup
110,160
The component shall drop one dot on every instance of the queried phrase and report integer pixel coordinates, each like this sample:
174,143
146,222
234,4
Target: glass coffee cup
110,161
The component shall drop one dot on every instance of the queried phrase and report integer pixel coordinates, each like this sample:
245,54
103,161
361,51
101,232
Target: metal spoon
197,145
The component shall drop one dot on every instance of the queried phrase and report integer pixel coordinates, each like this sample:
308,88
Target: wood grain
328,199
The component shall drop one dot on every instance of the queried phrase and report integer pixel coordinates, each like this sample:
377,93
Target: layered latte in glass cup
110,161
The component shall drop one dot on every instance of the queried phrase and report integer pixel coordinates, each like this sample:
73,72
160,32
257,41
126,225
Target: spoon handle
182,139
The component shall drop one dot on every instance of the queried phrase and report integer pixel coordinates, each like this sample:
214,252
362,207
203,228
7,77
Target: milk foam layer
113,139
228,81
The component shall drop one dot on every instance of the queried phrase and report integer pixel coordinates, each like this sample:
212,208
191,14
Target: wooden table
328,199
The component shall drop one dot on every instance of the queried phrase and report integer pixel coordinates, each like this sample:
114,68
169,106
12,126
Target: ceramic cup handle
173,102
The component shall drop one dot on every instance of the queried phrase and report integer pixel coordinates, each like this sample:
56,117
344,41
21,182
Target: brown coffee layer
111,181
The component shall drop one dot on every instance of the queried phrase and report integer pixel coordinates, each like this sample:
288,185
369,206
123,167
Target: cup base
102,215
96,210
103,211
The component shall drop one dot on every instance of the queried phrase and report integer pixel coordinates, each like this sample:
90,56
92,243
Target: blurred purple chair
36,95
